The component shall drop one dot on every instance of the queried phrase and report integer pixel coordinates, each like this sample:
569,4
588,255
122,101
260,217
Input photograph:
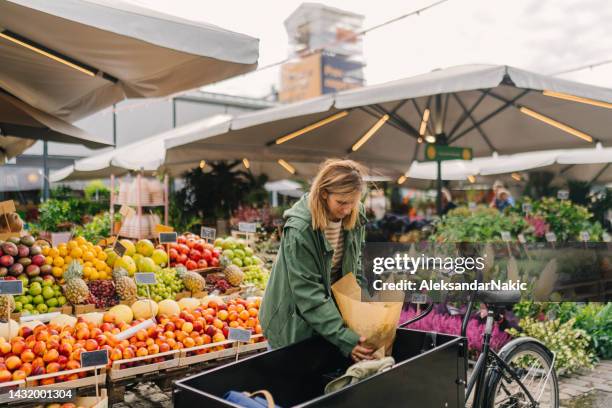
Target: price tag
562,194
40,317
472,205
145,278
94,358
506,237
167,237
606,237
418,298
11,287
249,227
239,335
527,208
551,237
585,236
522,239
208,234
124,335
119,248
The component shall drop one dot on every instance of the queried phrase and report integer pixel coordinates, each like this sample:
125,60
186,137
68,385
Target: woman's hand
361,352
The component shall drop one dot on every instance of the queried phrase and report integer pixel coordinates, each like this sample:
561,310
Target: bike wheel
533,365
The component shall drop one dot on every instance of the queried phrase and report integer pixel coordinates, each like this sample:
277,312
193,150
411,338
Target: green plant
98,228
480,225
55,216
596,320
570,344
96,190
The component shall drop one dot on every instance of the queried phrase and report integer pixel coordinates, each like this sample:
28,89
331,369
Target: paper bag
376,321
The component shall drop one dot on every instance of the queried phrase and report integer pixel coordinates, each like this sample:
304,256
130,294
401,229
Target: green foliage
481,225
570,344
596,320
62,192
96,190
566,219
56,216
98,228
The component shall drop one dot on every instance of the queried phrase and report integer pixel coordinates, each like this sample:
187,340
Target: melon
64,320
121,313
189,303
169,307
93,317
4,329
142,309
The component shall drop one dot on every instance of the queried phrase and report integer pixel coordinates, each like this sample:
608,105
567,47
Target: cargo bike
430,371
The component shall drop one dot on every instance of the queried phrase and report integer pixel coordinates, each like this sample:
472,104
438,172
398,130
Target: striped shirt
335,237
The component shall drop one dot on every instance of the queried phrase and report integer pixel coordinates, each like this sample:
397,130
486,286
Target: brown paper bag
376,321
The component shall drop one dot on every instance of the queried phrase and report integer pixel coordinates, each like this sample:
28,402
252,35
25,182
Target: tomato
183,249
195,255
202,263
191,265
214,262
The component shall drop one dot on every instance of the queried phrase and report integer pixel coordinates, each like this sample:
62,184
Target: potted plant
56,220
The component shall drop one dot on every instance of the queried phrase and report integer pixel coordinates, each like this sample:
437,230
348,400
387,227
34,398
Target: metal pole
115,125
46,192
439,188
173,113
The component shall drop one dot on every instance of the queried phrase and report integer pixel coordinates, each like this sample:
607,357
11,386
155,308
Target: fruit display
168,285
233,274
104,293
193,252
22,256
126,288
217,282
141,256
90,256
40,295
36,348
257,275
193,281
237,252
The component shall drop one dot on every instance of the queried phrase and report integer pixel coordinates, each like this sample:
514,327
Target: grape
256,275
167,286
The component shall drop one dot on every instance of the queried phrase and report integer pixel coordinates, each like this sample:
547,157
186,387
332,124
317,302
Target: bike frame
478,377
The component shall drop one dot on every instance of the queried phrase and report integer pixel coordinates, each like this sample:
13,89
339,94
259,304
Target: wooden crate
186,359
117,373
82,309
93,402
90,380
6,387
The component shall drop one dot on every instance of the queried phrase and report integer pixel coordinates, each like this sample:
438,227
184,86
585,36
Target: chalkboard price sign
167,237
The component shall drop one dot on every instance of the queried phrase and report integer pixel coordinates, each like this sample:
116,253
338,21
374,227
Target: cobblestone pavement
586,389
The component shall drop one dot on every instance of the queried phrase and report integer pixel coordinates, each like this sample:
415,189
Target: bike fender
514,343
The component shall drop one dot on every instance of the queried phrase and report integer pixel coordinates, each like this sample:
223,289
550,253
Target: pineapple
7,305
180,271
126,288
76,291
194,282
233,274
74,271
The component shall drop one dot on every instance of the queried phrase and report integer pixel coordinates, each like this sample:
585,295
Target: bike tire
530,346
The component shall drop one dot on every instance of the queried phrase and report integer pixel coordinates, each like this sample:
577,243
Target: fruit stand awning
72,58
490,108
21,125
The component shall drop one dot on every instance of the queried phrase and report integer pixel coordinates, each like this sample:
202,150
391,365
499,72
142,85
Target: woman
321,242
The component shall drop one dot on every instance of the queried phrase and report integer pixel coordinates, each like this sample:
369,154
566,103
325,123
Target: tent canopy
492,109
21,125
72,58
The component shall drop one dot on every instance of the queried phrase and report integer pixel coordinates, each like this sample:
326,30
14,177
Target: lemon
81,240
57,271
67,259
94,275
62,251
58,261
53,253
48,260
76,252
102,256
88,255
46,250
88,264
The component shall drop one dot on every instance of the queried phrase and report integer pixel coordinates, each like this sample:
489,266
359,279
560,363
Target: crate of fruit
144,364
215,351
68,379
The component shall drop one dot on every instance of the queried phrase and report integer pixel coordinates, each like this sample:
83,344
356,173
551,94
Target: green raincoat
298,301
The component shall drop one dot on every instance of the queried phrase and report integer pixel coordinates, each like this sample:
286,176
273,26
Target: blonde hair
335,177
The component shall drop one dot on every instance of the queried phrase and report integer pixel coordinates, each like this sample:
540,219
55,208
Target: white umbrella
72,58
488,108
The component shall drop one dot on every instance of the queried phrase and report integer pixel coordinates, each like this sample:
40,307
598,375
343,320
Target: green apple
52,302
47,292
35,289
61,301
38,299
42,308
237,262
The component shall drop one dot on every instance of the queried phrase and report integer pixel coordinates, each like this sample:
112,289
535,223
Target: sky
545,36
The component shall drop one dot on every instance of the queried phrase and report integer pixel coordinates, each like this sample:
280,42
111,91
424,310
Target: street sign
250,227
167,237
94,358
434,152
11,287
145,278
208,234
236,334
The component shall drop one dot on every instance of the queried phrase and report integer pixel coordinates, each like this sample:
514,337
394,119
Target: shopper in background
322,240
447,202
497,187
503,200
